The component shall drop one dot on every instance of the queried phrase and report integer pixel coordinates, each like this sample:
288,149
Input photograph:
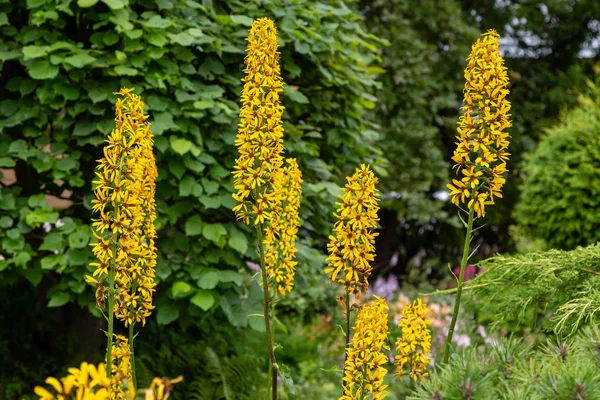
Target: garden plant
245,247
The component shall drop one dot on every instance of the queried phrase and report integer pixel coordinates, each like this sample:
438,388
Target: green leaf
203,299
35,3
156,21
157,39
79,238
242,20
193,226
53,241
230,276
86,3
181,289
166,313
84,128
79,60
204,104
182,38
208,280
127,71
116,4
238,241
58,299
5,222
42,69
214,232
17,146
3,19
34,51
295,95
179,145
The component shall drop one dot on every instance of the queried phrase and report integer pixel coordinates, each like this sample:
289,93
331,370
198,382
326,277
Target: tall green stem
132,360
347,336
461,279
267,318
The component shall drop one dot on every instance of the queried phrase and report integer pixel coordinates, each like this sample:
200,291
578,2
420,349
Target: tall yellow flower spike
414,345
481,151
125,233
364,369
352,244
260,131
281,232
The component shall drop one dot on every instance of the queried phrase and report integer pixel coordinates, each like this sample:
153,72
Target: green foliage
421,93
59,64
509,369
559,201
564,283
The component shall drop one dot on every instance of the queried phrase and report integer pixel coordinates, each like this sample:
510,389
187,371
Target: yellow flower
121,370
260,131
352,244
160,389
364,369
84,383
414,345
481,132
125,232
281,232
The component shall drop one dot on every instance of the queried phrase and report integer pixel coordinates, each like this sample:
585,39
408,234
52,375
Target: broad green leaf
166,313
53,241
181,289
193,226
34,51
241,20
208,280
204,104
42,69
3,19
116,4
203,299
79,60
214,232
80,237
295,95
86,3
179,145
58,299
238,241
127,71
230,276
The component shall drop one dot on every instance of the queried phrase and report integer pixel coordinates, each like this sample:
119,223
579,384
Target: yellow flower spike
482,139
364,369
260,131
125,188
283,228
352,244
414,346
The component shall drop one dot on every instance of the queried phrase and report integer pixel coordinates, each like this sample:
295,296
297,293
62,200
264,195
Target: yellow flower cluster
352,245
125,233
121,370
281,232
364,368
414,345
160,388
260,131
84,383
481,152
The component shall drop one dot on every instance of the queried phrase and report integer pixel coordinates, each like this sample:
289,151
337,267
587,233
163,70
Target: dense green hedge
61,60
560,199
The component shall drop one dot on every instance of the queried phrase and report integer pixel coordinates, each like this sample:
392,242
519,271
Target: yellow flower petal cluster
364,369
481,151
160,388
84,383
124,203
414,345
352,244
121,370
281,232
260,131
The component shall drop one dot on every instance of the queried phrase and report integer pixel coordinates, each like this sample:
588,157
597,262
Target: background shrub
560,199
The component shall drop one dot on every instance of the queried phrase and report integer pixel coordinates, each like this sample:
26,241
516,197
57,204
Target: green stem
267,318
347,336
132,360
461,280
